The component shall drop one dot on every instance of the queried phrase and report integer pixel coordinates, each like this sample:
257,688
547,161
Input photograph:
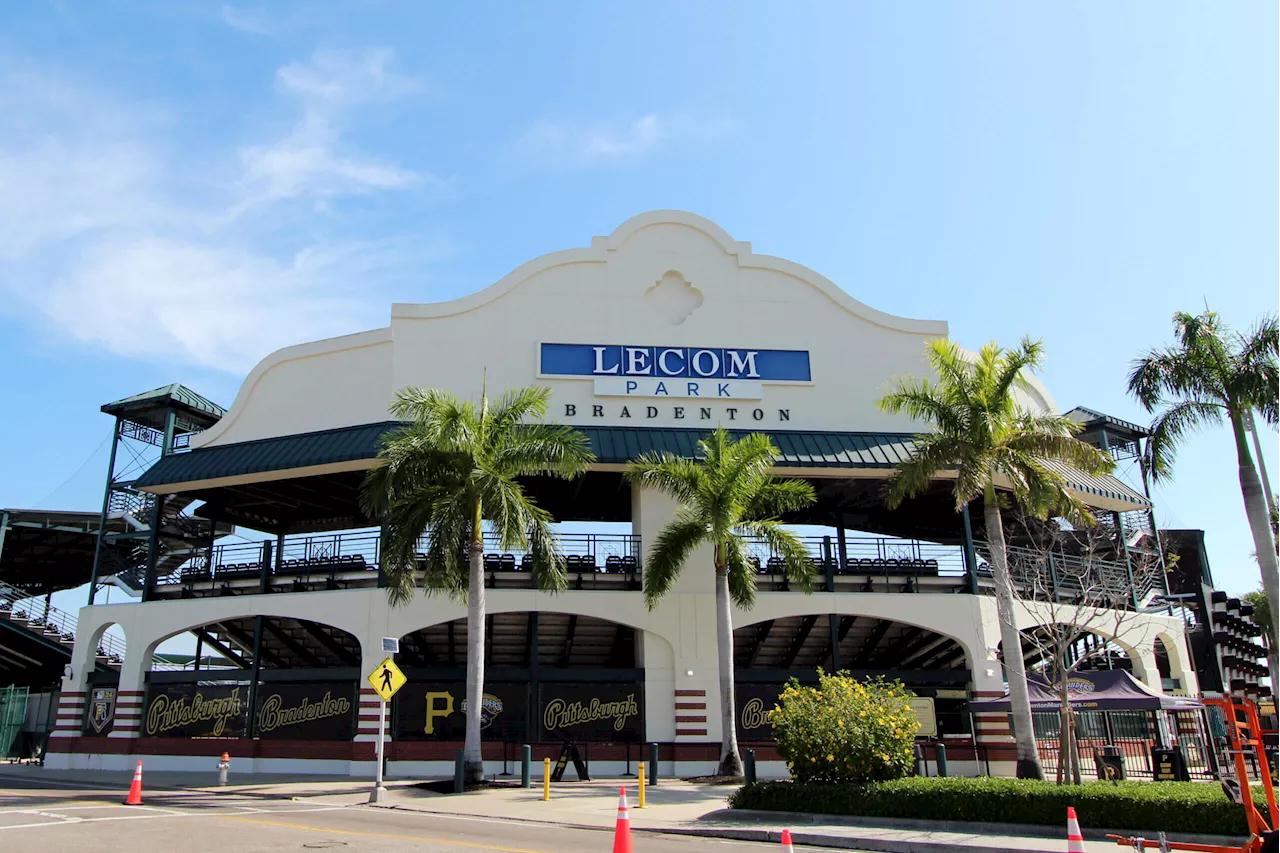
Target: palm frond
550,449
674,543
548,563
667,473
1171,427
787,546
741,571
777,497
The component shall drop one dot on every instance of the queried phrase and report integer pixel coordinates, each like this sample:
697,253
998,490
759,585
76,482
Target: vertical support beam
1053,576
4,527
842,546
382,570
833,622
153,548
828,564
199,651
254,674
213,538
264,575
535,680
970,553
1155,531
106,506
1128,562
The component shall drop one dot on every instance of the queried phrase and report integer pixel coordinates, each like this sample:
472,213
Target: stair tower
157,535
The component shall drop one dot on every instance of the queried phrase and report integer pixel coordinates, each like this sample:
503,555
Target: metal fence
1134,733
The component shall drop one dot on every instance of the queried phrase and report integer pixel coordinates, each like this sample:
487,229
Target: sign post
386,679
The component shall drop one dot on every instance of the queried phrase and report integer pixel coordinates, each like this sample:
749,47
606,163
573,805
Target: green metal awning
261,459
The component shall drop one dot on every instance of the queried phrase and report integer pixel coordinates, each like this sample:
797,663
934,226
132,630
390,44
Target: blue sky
185,187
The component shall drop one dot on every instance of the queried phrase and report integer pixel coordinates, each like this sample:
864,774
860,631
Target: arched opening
768,653
549,676
254,677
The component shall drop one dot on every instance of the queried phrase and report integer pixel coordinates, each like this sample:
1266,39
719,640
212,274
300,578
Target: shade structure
1110,690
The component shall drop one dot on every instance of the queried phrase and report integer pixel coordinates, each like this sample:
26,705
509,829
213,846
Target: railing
348,555
40,616
1132,732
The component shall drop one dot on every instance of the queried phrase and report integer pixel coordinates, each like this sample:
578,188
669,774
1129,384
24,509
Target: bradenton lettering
273,714
560,714
166,713
754,715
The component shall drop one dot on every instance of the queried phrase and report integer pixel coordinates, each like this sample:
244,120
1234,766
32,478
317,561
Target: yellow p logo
438,705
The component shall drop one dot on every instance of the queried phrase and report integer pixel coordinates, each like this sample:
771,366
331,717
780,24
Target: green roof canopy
611,445
148,408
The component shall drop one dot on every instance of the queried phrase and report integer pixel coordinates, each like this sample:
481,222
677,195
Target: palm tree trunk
1014,669
1255,509
472,759
730,760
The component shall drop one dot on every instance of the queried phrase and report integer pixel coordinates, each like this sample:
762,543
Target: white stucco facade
664,279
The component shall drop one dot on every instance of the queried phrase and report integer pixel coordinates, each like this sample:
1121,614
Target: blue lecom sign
610,360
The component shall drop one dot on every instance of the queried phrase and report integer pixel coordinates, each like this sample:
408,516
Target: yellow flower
840,723
830,757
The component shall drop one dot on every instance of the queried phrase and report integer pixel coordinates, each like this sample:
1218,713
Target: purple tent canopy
1110,690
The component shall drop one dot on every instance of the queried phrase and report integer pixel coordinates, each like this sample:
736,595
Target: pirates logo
102,708
490,708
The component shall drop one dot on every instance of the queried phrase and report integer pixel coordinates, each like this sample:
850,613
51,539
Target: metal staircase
49,623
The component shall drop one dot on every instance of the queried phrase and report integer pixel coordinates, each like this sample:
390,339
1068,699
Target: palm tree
725,496
452,467
983,435
1212,373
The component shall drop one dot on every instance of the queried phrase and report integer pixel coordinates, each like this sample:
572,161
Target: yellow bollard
640,777
546,778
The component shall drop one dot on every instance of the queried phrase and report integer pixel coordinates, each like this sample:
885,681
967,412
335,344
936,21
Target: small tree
980,432
845,730
452,467
1074,584
727,495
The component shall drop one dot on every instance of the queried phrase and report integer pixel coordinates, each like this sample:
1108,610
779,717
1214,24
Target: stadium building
648,337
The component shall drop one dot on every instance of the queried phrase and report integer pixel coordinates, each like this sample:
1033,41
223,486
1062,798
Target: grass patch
1187,807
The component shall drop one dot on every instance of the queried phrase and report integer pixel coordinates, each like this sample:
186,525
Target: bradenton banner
189,710
306,711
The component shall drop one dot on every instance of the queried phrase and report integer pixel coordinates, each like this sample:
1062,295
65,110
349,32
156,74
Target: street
38,815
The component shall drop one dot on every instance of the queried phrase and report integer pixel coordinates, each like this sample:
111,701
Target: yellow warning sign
387,679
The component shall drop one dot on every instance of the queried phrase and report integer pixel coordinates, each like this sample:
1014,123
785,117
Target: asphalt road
40,816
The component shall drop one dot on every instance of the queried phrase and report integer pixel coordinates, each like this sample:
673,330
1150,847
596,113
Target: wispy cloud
253,21
111,236
566,143
310,160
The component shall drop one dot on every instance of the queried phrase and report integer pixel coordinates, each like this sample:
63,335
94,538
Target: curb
1021,830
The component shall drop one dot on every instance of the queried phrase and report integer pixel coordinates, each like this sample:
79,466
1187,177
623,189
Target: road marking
392,835
22,810
151,813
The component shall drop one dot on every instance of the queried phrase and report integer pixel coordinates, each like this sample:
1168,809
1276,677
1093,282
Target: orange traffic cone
622,830
1075,841
135,790
786,842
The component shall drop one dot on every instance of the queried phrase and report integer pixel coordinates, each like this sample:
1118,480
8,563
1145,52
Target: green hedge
1189,807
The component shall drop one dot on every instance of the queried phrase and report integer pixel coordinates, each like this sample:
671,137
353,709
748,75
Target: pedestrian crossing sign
387,679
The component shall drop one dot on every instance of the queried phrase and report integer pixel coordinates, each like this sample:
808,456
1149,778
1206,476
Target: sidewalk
673,807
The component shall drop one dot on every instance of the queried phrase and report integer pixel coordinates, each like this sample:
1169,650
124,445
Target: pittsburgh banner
307,711
196,710
438,712
592,712
754,702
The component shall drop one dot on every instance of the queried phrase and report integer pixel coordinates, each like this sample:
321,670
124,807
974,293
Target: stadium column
371,655
131,691
682,686
991,732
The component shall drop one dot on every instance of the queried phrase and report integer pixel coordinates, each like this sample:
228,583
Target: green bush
1189,807
845,730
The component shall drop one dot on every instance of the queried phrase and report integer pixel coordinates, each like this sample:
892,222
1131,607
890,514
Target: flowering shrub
845,730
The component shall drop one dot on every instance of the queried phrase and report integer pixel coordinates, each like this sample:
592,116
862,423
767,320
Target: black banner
438,712
592,712
307,711
196,710
753,703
